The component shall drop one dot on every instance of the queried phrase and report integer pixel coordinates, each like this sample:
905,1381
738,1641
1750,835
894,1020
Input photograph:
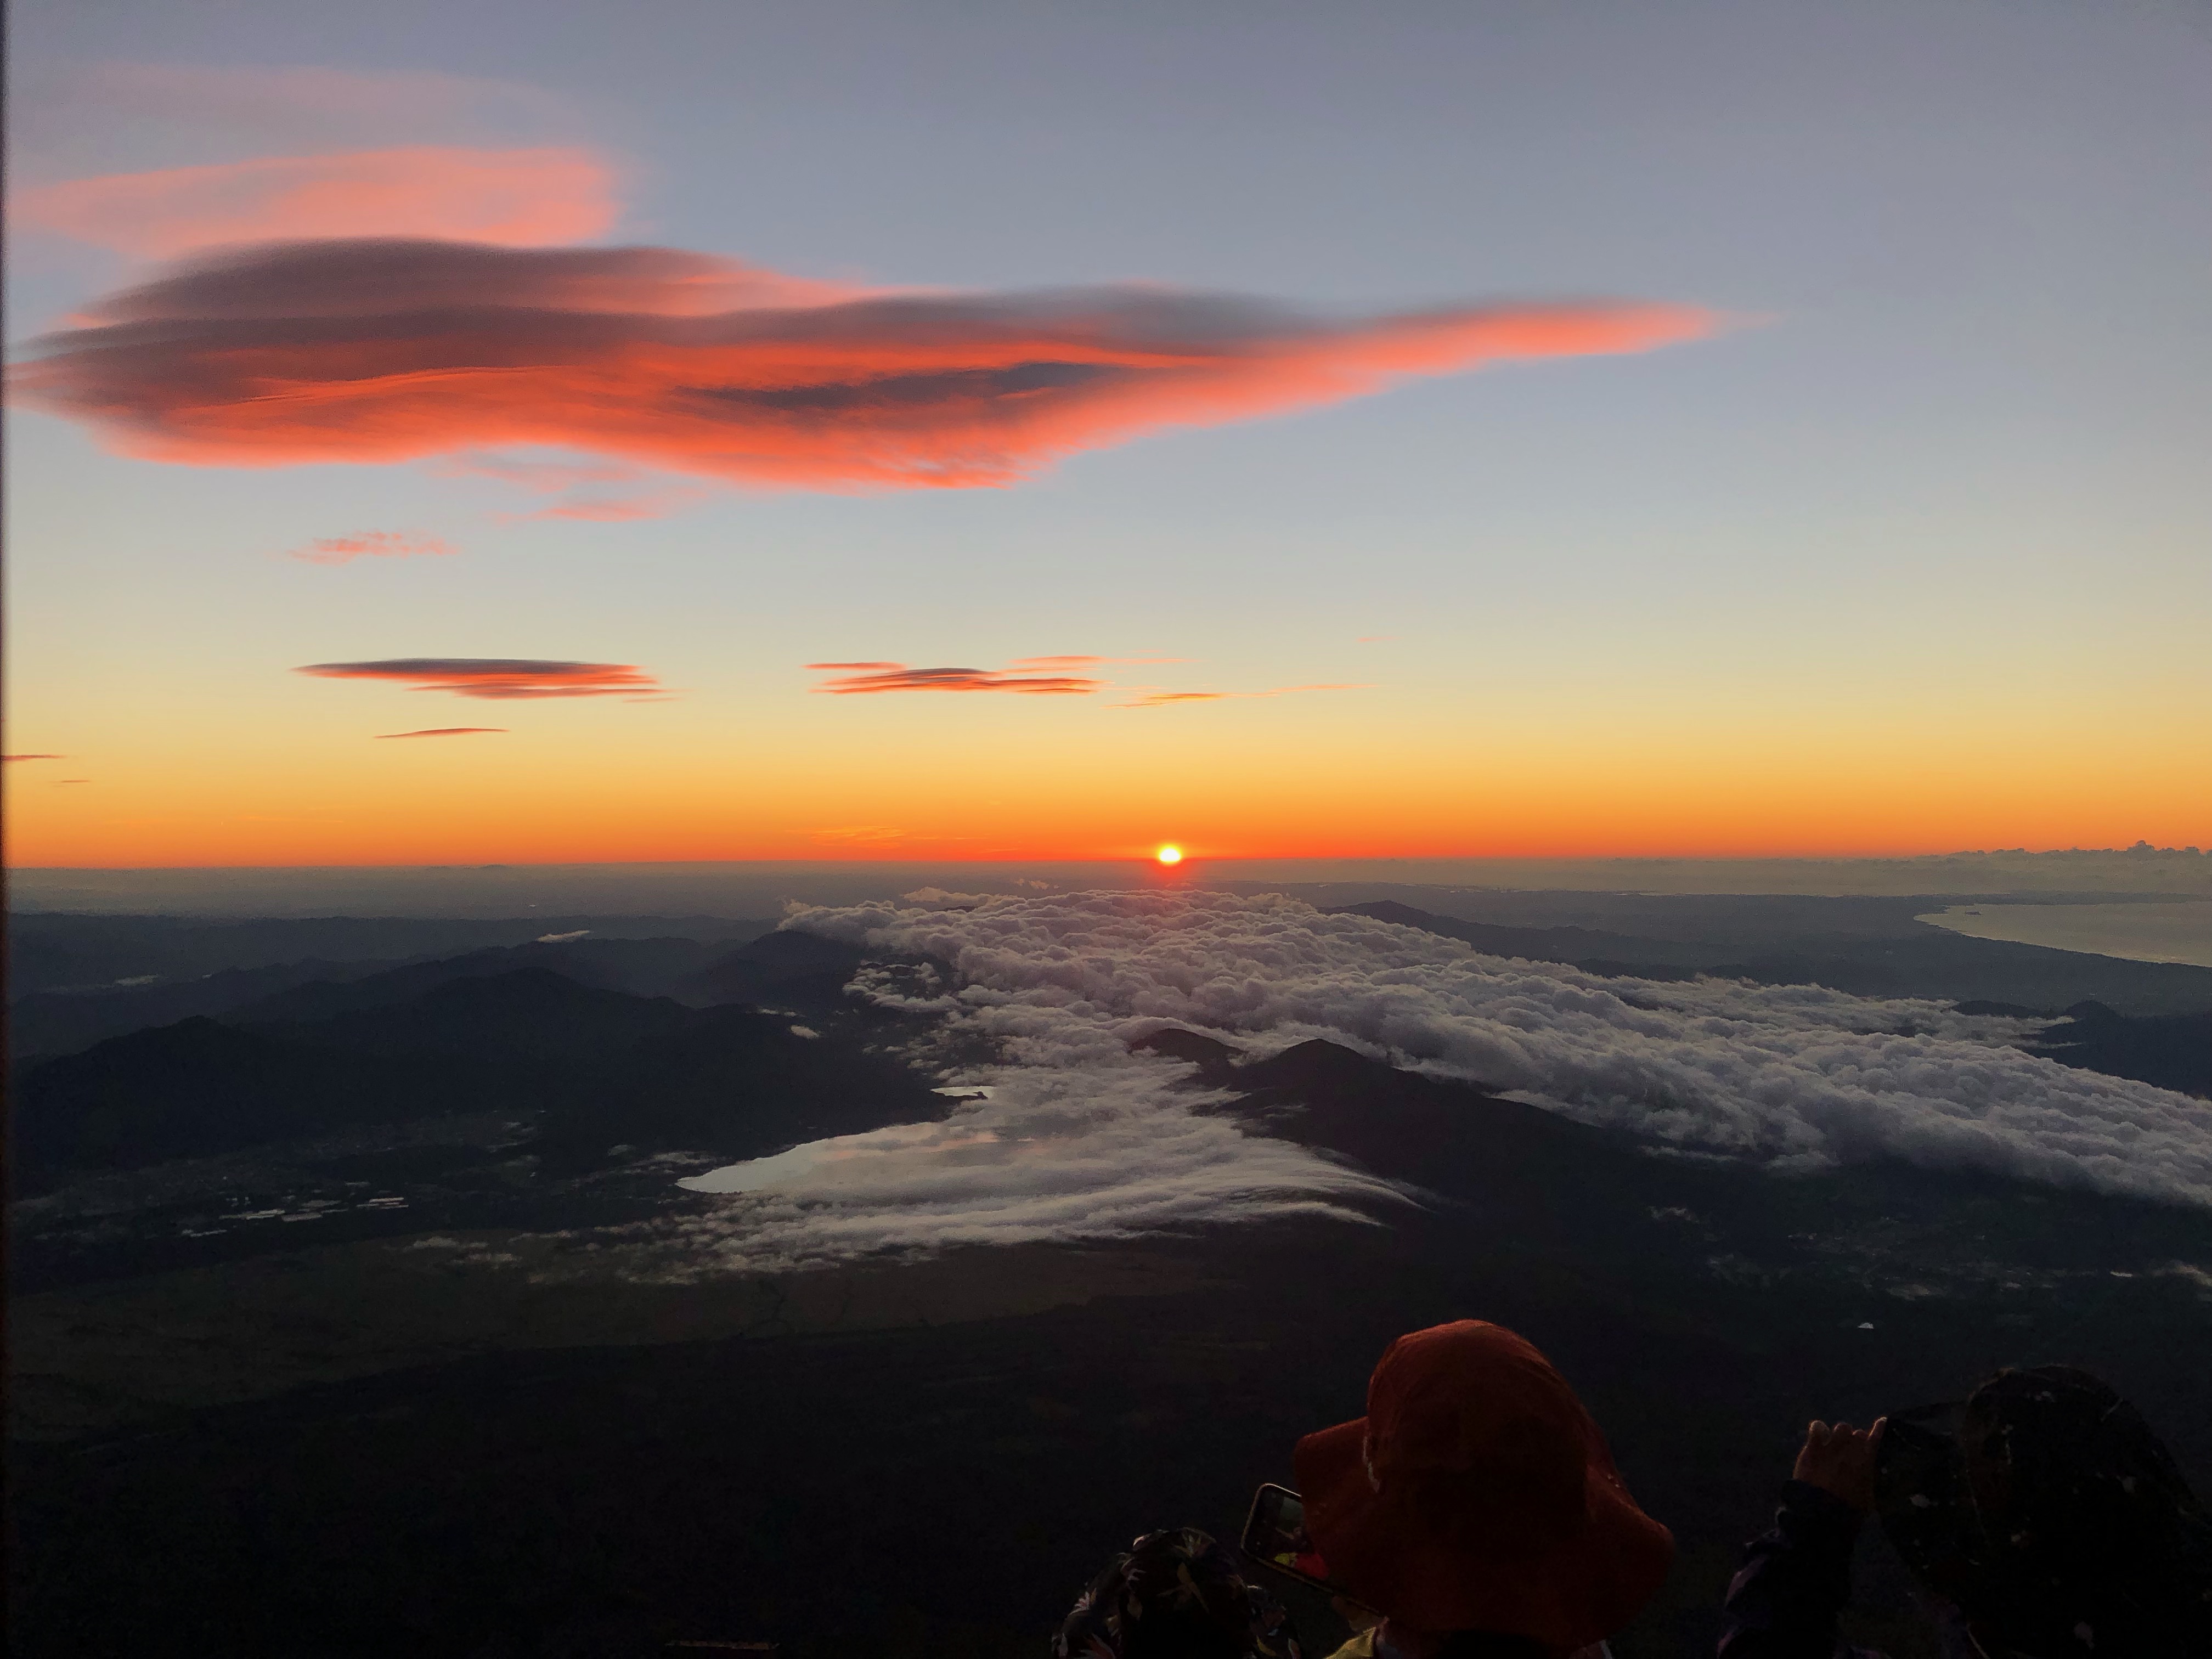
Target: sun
1169,855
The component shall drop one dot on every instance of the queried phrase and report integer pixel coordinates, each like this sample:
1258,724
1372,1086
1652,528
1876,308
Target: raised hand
1839,1458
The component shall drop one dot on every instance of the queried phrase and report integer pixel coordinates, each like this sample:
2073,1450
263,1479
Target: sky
1002,431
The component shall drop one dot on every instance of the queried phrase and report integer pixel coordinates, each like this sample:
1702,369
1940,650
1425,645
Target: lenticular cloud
391,350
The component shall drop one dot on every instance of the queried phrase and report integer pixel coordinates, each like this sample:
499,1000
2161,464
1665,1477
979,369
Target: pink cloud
382,351
866,678
443,732
370,543
29,757
515,197
496,677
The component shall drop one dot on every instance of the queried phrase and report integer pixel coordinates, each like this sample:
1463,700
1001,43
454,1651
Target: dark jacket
1795,1582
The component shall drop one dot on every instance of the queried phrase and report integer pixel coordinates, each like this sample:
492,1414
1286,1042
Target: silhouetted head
1174,1595
2047,1512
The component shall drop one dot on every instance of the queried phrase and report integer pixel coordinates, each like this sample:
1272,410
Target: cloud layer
870,679
391,350
498,677
444,732
1081,1137
509,197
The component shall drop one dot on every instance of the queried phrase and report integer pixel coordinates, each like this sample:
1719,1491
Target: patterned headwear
1174,1595
2048,1512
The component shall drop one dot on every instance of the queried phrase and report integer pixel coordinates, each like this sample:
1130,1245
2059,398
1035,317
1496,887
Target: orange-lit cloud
496,677
553,476
370,543
863,679
515,197
17,757
390,350
1161,699
443,732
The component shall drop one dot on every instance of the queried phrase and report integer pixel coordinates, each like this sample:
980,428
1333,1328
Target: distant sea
2177,932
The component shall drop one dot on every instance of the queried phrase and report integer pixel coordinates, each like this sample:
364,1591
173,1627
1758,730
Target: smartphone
1275,1537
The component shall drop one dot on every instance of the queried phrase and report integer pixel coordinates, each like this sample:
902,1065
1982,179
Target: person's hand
1838,1458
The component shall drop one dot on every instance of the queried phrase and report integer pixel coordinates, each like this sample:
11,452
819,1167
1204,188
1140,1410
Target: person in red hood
1476,1506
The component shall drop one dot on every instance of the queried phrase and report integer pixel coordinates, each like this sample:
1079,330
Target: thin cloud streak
370,544
1162,699
443,732
616,510
512,198
497,678
379,351
32,757
874,678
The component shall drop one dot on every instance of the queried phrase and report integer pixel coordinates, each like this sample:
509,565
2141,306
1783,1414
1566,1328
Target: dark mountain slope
47,1022
791,968
594,1068
199,1087
651,967
531,1017
735,1082
48,952
1926,962
2174,1051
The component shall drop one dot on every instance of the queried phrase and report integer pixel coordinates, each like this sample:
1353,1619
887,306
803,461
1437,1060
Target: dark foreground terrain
363,1390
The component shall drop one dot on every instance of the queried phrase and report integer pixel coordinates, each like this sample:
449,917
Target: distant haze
758,888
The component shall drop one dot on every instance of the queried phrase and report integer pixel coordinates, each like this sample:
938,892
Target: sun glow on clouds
869,679
1083,1138
496,678
383,350
515,197
872,679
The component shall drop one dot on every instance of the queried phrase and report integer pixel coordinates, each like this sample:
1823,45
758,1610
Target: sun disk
1169,855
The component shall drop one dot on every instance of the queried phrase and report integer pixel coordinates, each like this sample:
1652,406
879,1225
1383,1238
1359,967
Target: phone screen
1275,1536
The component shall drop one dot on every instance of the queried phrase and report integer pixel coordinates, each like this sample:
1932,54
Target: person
1476,1507
1174,1594
2042,1516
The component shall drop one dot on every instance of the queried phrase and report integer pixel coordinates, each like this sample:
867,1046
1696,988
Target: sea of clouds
1077,1137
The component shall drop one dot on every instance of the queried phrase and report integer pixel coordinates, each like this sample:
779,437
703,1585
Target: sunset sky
735,430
